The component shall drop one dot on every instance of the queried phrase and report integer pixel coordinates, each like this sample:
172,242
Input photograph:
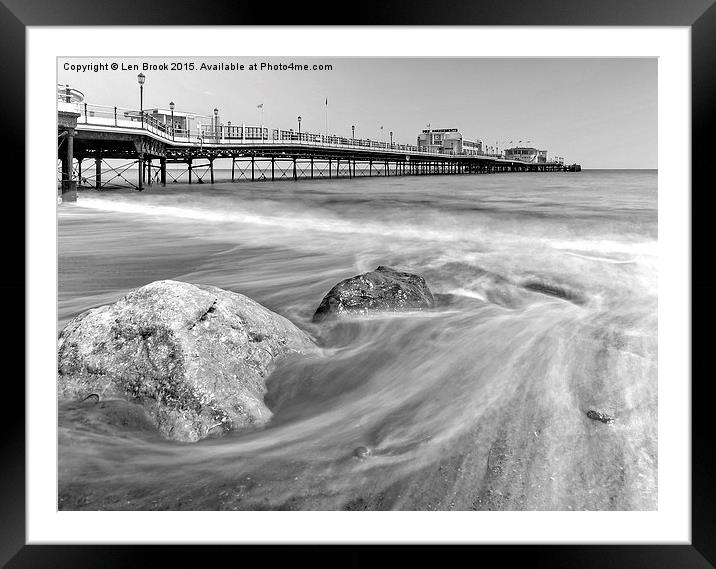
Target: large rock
195,357
382,290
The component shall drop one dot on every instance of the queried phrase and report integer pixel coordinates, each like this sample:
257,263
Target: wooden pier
257,154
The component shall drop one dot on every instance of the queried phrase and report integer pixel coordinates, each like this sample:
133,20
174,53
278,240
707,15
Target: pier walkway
102,133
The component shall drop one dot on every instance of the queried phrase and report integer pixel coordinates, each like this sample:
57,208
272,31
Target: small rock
597,416
362,452
382,290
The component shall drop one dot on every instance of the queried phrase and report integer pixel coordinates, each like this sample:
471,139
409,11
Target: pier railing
105,116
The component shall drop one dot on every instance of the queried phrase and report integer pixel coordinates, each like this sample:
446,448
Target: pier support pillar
253,168
140,172
69,186
188,162
295,175
338,167
163,170
233,165
149,171
311,167
370,167
211,169
273,164
330,166
98,172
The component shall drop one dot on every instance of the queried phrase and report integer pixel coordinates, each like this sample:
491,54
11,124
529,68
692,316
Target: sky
598,112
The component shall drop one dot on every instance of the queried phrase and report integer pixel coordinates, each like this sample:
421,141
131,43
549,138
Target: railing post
115,116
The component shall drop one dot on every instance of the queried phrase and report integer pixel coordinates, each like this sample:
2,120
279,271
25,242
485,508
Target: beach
548,310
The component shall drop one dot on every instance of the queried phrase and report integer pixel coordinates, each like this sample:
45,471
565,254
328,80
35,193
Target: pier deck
108,133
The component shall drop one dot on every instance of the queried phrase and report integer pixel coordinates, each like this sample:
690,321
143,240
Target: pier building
526,154
448,141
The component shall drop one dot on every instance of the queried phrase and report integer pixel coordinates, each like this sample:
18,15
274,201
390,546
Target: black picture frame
699,15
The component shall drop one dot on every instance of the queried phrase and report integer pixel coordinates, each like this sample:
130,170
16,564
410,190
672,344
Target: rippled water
549,309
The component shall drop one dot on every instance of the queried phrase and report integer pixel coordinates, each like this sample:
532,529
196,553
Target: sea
548,314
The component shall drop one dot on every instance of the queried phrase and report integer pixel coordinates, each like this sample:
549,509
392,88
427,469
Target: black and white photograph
422,278
357,283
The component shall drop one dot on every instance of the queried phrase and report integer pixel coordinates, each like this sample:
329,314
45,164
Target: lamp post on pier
171,108
353,129
140,79
216,124
391,138
299,126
